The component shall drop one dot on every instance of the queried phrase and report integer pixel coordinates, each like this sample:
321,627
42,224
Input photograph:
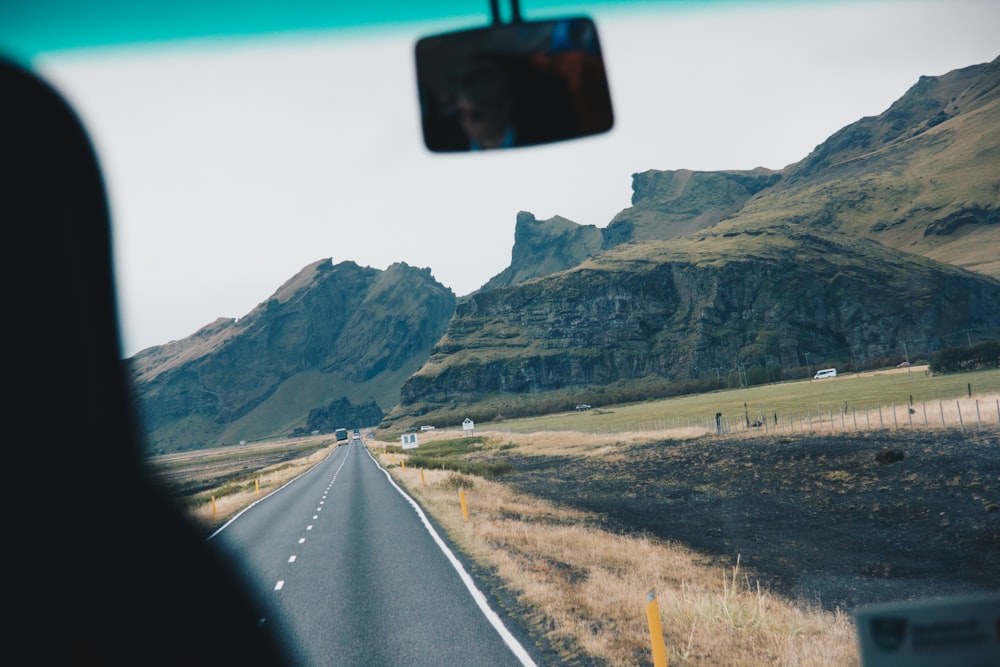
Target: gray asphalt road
354,576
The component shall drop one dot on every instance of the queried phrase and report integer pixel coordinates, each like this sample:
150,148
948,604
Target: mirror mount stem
515,12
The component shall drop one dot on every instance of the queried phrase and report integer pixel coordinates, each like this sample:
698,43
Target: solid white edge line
494,619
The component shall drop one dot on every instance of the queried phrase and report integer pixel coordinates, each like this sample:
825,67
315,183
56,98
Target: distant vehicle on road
583,406
341,434
357,434
825,373
426,428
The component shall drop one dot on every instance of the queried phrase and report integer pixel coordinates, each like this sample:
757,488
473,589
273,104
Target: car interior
101,526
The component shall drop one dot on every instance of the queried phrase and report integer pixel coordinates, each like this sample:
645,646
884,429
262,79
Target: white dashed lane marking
291,559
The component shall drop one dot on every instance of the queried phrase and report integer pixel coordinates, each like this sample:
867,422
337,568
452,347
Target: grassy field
794,402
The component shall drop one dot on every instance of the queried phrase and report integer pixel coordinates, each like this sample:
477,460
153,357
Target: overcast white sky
232,165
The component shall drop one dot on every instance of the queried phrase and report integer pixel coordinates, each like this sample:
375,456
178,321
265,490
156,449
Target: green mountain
331,346
883,241
922,177
885,235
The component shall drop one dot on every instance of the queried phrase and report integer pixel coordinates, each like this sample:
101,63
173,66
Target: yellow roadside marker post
214,512
256,484
655,629
465,507
422,482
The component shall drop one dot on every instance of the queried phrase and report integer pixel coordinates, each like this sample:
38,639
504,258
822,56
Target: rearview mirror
523,83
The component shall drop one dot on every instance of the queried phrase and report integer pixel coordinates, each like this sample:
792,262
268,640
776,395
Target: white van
825,373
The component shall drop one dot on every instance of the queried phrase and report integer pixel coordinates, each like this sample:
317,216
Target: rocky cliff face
690,308
331,332
665,205
543,247
672,204
846,256
921,177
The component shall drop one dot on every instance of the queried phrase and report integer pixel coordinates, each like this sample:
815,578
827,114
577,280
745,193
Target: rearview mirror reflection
518,84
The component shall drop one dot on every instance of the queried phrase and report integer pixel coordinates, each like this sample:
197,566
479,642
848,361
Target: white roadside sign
410,441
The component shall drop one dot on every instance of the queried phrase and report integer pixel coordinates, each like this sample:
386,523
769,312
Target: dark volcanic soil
816,518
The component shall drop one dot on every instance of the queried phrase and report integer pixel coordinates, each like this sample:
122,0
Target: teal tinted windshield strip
32,27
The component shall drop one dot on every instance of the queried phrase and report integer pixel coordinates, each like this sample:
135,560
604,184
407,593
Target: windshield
277,143
723,336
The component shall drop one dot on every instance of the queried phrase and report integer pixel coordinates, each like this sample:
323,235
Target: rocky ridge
331,333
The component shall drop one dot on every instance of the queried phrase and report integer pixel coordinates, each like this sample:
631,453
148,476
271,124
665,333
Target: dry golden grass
225,506
568,443
587,586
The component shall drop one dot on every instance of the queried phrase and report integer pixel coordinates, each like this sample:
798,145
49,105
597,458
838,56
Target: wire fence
968,415
964,414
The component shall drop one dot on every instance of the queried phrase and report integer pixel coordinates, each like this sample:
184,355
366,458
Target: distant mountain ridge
665,312
922,177
752,268
887,232
330,333
928,103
